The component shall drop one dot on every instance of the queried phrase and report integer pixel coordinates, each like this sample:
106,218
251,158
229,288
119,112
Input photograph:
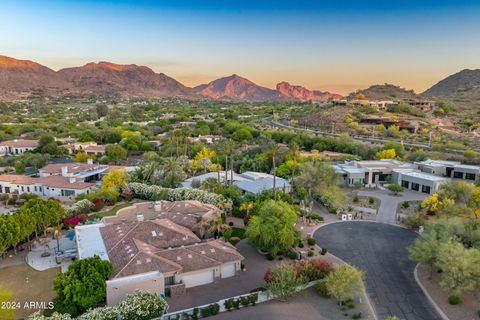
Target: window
470,176
35,188
28,189
426,189
40,189
405,184
415,186
68,193
169,281
457,175
23,189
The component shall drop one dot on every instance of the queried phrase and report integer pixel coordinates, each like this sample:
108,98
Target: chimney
90,161
64,171
158,206
73,179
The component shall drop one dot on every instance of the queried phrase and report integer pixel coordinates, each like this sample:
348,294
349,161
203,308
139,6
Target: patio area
42,256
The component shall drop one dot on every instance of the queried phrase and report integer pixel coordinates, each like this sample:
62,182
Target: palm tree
218,227
294,150
202,226
56,231
247,206
274,149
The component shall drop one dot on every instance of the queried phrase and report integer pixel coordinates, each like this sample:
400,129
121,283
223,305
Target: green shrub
310,253
323,252
293,255
405,204
357,315
270,257
355,199
210,310
322,290
300,244
11,201
332,210
347,304
371,200
453,300
311,241
315,217
478,313
413,222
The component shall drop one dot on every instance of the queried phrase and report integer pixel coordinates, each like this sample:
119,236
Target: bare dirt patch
469,303
28,285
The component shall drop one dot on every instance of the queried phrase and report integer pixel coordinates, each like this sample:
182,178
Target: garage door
228,270
197,279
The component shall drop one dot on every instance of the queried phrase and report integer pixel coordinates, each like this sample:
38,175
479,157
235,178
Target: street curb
369,303
434,304
373,221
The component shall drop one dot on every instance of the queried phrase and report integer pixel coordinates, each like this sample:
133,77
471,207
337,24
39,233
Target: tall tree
273,229
460,267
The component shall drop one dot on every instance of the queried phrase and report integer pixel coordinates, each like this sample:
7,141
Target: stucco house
424,176
17,146
157,255
51,186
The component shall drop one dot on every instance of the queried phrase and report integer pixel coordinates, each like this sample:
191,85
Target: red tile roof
20,143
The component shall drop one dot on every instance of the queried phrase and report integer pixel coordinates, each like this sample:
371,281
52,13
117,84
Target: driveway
380,251
387,212
243,282
307,305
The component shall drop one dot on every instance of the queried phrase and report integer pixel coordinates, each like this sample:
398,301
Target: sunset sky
328,45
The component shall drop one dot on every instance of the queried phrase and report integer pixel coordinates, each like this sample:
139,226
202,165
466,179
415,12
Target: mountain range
18,78
21,78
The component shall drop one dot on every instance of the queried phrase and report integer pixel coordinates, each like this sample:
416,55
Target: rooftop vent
179,258
154,233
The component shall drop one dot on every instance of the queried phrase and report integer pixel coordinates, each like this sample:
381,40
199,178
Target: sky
339,46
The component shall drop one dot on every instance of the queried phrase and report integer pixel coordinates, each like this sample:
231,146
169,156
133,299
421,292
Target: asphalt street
380,251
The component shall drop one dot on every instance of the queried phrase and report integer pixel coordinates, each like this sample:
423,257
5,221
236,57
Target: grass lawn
28,285
113,211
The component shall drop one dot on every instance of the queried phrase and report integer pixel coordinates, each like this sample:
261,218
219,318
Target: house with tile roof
157,255
17,147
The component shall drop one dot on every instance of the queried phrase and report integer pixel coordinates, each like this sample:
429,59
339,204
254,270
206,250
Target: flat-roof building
250,181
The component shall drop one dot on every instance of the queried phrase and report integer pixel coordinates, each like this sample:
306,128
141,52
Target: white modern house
369,173
425,176
250,181
51,186
56,180
450,169
17,146
85,172
418,181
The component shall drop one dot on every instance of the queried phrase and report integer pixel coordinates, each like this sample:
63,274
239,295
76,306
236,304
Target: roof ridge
126,265
124,236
